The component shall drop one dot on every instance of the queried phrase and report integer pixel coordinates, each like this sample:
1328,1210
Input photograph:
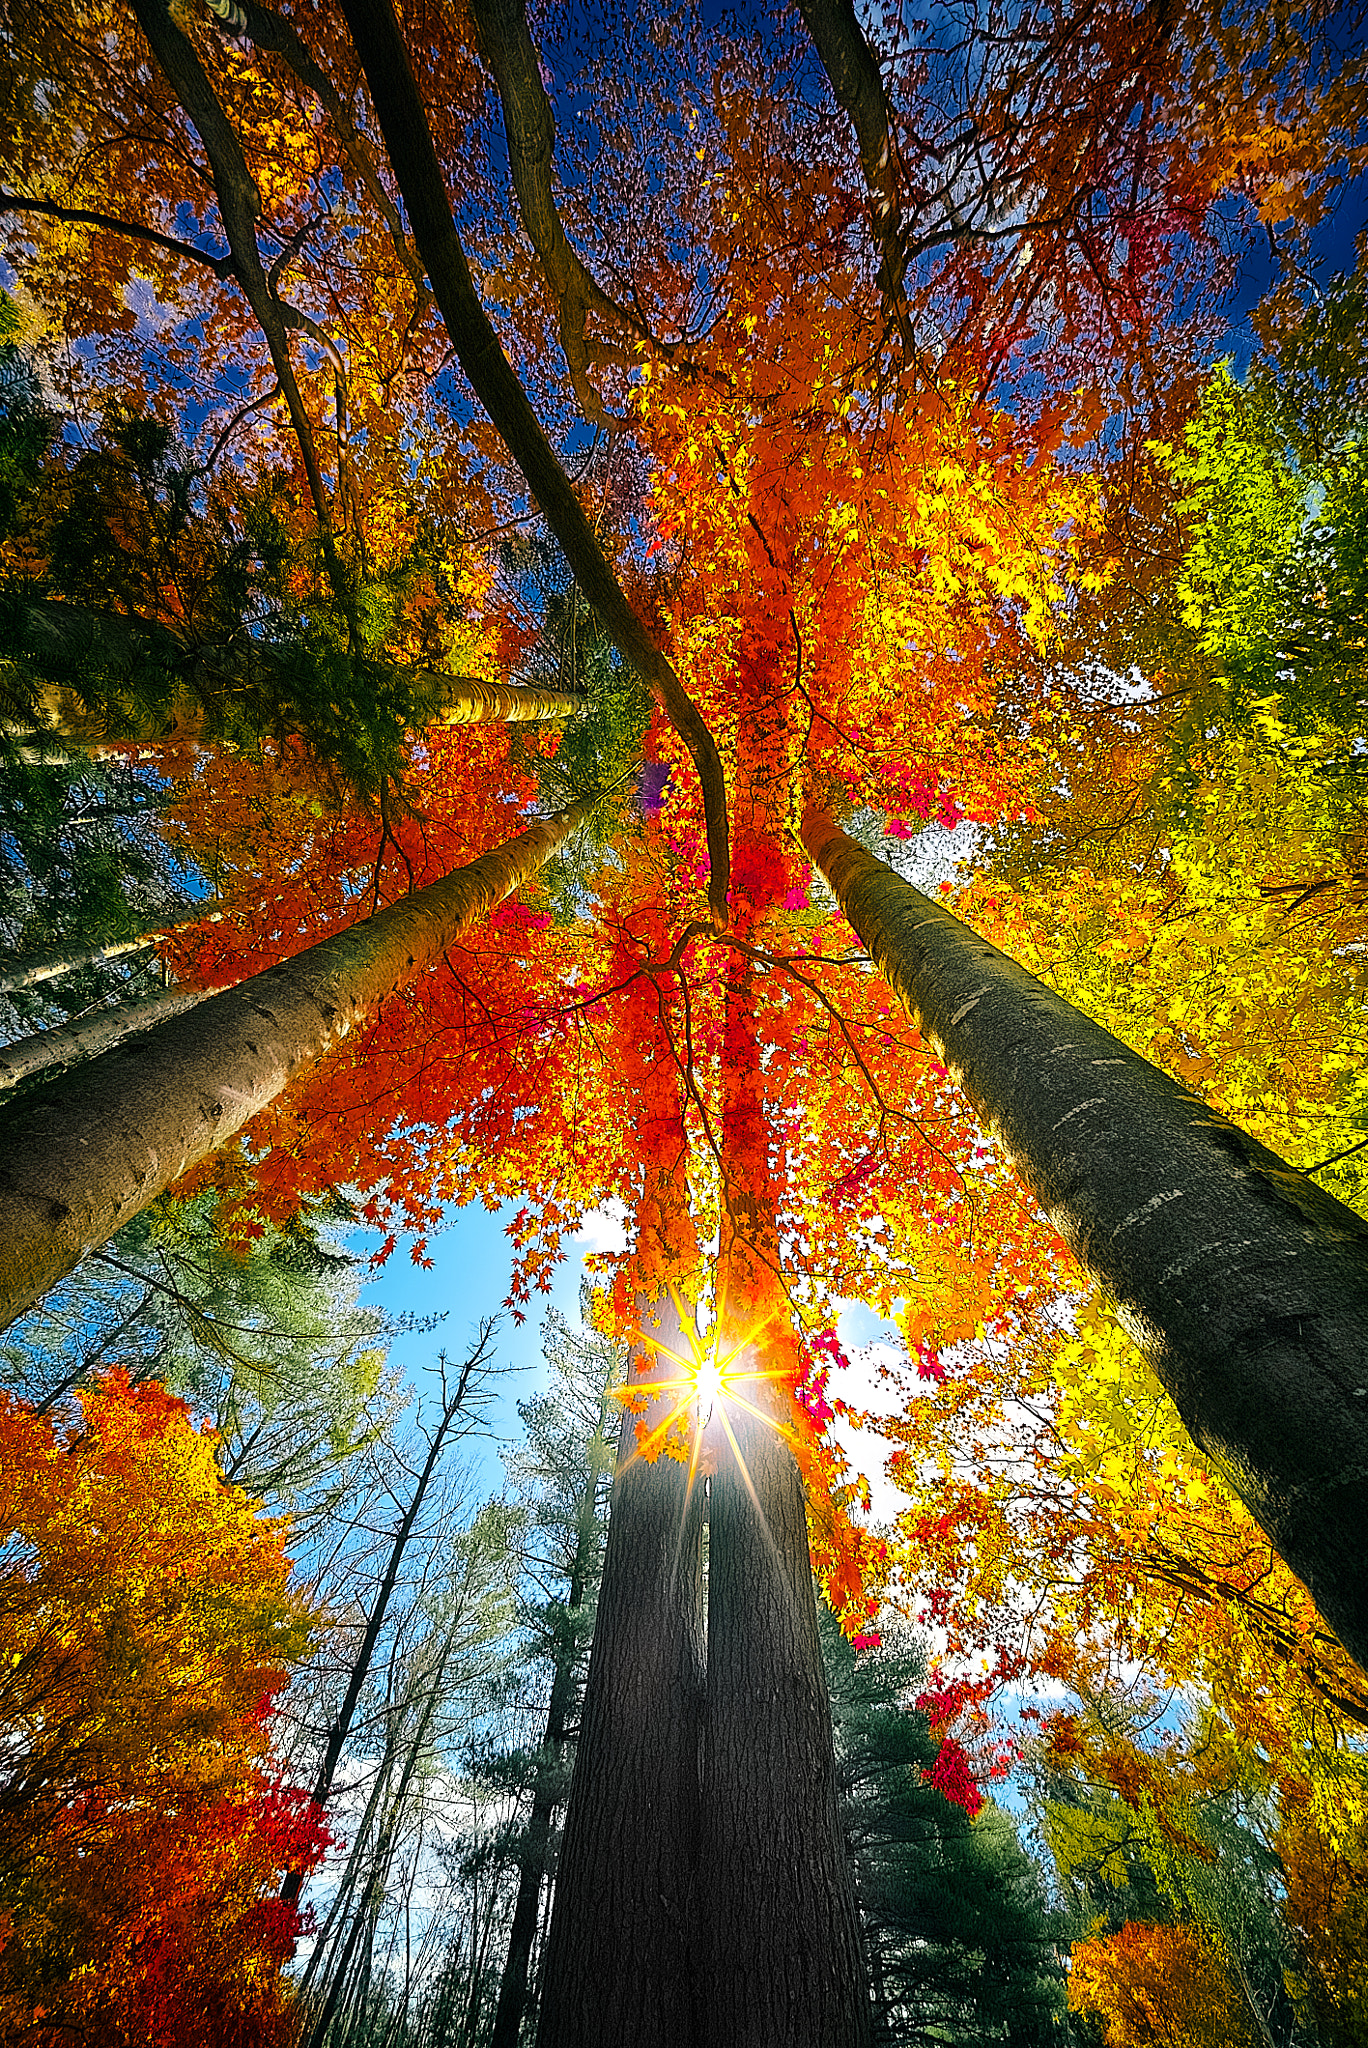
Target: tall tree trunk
82,1155
88,1036
546,1787
532,1871
786,1968
622,1953
81,642
27,970
1245,1284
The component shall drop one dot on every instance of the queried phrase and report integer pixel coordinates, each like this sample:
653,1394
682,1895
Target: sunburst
707,1387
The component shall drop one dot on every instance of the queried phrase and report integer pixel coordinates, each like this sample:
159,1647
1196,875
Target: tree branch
269,31
853,70
530,128
223,267
413,157
240,208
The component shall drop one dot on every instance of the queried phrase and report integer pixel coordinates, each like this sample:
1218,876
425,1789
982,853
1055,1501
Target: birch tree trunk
80,641
89,1036
81,1156
26,970
1245,1284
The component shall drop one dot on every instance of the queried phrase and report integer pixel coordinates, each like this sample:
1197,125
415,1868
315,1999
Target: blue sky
469,1280
472,1263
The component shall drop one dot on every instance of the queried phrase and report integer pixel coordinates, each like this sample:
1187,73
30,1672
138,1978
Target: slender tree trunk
857,82
89,1036
622,1952
26,970
82,1155
1245,1284
366,1913
468,701
530,131
531,1875
81,641
361,1663
546,1788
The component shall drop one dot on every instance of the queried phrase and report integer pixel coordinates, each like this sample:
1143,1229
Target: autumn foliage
146,1622
901,483
1154,1986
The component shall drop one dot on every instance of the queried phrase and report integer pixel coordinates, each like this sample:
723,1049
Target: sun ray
707,1386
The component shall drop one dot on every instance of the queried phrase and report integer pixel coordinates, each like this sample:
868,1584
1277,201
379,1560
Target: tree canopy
796,440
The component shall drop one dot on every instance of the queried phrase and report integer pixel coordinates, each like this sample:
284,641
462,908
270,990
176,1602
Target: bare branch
223,267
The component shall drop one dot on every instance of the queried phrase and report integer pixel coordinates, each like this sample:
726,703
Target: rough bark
83,1154
408,140
89,1036
785,1963
786,1969
621,1961
1245,1284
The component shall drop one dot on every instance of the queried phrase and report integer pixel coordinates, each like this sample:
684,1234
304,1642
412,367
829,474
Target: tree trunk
80,641
622,1953
532,1870
1245,1284
468,701
27,970
786,1969
546,1789
82,1155
361,1663
88,1036
389,1807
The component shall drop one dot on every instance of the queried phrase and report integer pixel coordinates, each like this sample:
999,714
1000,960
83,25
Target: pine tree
962,1945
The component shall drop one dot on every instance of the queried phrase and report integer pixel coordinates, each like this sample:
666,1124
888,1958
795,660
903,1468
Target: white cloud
604,1230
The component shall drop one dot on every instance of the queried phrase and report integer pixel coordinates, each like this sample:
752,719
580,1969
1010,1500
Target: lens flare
710,1386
